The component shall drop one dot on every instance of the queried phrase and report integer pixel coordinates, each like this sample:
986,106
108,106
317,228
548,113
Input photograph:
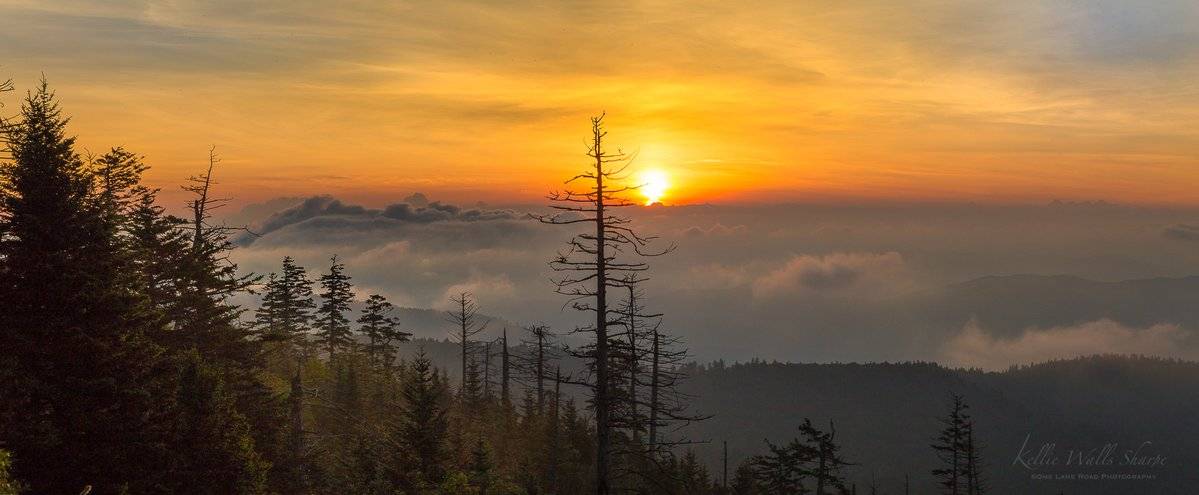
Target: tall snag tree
592,264
534,364
464,316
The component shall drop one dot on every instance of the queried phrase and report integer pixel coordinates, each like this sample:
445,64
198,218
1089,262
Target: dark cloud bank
416,209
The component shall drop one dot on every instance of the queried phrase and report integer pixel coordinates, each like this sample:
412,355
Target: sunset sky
735,101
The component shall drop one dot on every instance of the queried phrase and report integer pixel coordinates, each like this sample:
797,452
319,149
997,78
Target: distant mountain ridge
1009,304
887,414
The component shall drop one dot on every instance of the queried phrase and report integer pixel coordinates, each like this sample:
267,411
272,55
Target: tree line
128,368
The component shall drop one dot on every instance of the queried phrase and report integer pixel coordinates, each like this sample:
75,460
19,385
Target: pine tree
76,323
285,315
744,480
972,452
481,466
780,471
422,429
333,328
950,446
824,455
216,453
381,331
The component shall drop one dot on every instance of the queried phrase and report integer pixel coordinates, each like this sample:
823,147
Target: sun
654,184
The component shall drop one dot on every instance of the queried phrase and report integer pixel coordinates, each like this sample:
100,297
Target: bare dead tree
486,364
467,324
533,366
595,260
505,397
6,123
629,349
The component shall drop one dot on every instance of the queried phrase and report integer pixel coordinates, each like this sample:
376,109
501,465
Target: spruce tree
824,457
216,452
332,325
382,332
950,446
75,322
285,315
422,428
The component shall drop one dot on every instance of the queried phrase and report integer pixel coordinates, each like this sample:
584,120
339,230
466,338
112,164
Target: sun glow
654,184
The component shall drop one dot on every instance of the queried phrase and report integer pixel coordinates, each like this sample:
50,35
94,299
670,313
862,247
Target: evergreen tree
745,480
285,315
825,461
950,446
8,485
481,466
780,471
75,322
333,328
216,453
422,429
381,330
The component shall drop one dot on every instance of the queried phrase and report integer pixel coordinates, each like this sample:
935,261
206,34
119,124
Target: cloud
876,282
716,230
1181,232
974,347
832,273
326,212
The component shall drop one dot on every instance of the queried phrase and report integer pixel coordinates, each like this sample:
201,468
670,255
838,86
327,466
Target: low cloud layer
976,348
791,282
839,272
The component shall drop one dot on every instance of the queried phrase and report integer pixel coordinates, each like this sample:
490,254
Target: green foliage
285,315
332,325
381,331
8,485
217,437
76,324
126,365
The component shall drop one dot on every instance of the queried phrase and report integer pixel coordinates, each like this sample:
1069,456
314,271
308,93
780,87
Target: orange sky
758,101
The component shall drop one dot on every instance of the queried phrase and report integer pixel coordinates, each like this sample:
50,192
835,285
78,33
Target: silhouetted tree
780,471
971,449
80,364
590,266
745,480
951,446
824,455
421,432
505,373
285,315
534,365
217,454
382,331
332,325
464,315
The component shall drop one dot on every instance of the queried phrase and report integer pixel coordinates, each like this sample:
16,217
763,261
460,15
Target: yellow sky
736,101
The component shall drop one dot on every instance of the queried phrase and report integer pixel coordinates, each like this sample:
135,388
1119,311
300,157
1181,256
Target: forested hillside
135,357
887,415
